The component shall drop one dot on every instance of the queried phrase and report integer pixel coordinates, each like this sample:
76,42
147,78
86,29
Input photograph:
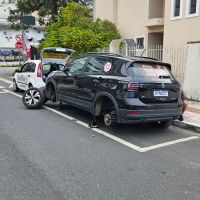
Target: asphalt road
46,154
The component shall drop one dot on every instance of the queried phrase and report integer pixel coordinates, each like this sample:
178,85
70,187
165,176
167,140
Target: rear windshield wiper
164,77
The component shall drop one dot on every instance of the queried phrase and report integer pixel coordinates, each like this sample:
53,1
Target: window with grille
139,42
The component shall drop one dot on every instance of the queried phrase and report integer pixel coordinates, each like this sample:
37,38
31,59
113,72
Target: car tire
33,98
164,124
15,88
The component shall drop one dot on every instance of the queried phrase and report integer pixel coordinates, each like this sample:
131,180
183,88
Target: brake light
133,86
132,113
39,70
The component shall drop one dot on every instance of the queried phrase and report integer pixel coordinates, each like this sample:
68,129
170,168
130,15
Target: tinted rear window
148,70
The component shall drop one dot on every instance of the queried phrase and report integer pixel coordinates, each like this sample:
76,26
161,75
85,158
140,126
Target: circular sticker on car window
107,67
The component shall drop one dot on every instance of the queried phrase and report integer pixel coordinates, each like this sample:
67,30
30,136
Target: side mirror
18,70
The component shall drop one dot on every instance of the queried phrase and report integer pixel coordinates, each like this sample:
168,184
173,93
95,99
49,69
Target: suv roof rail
120,55
107,53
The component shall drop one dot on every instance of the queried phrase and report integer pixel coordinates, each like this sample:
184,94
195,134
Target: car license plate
160,93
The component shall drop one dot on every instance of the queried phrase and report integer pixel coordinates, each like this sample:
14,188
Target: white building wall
192,80
7,38
7,35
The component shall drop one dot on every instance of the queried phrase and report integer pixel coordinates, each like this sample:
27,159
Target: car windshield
151,70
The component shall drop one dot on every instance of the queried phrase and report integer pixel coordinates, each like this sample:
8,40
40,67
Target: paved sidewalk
191,117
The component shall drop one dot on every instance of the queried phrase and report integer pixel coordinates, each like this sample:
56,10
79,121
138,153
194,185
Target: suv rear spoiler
155,62
56,55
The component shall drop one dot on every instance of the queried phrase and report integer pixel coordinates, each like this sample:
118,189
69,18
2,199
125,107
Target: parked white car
33,73
29,75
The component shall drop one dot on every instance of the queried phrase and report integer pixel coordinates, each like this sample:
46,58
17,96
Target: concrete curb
185,125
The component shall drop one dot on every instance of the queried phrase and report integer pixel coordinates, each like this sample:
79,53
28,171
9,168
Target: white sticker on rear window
162,71
148,70
107,67
155,70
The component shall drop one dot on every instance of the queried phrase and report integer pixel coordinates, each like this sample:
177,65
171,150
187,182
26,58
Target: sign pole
19,58
19,45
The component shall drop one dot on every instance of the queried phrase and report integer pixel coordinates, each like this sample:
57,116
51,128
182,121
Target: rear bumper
145,116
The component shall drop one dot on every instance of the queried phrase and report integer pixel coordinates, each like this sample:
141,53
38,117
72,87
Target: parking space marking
3,92
8,91
117,139
59,113
5,81
11,85
157,146
82,123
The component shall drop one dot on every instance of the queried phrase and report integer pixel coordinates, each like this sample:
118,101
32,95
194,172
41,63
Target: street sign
19,44
28,20
18,37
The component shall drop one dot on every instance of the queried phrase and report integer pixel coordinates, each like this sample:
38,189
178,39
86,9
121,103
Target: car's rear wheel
164,124
15,88
33,98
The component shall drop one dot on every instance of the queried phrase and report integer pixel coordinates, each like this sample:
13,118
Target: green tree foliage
74,29
46,9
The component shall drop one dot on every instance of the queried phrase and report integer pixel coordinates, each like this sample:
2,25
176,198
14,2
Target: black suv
119,88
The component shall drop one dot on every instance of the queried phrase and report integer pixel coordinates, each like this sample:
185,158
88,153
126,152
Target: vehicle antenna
142,53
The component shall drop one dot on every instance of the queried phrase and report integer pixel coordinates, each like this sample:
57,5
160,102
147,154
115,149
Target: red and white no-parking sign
19,44
18,37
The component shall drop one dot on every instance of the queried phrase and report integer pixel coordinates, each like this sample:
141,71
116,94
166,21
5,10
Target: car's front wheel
33,98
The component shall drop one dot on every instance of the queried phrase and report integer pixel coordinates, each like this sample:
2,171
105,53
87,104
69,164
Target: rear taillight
133,86
132,113
39,70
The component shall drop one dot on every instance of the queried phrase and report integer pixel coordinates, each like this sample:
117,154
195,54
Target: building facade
172,23
7,35
168,30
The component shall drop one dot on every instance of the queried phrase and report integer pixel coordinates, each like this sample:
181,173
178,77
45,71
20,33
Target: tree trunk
54,8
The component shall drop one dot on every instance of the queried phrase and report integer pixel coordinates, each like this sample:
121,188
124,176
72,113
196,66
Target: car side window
24,67
77,65
96,64
31,67
120,67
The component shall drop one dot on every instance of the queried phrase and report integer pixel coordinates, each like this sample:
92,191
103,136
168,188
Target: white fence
192,79
177,57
